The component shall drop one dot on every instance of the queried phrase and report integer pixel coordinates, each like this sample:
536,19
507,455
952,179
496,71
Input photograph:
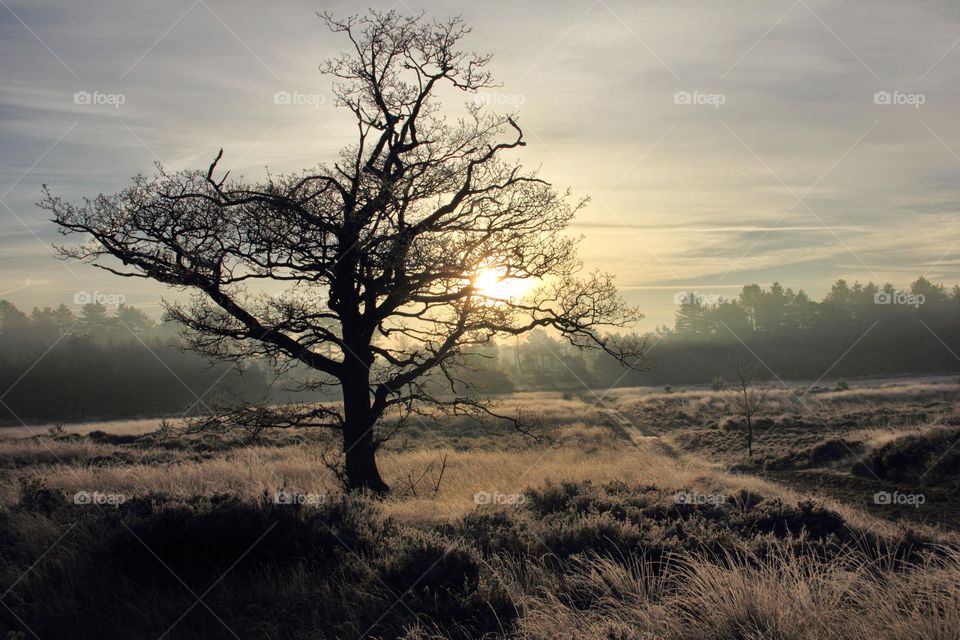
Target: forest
113,363
101,363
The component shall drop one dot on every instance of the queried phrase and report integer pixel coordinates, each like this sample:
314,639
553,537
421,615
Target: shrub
340,569
928,458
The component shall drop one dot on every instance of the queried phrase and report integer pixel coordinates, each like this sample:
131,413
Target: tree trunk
359,449
361,462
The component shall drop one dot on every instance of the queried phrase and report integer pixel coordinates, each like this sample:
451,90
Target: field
641,517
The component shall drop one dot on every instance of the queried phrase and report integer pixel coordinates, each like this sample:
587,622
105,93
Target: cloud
682,192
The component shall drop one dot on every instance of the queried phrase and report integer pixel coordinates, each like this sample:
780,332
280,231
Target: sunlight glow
492,284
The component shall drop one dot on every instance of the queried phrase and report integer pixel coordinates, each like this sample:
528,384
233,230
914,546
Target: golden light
492,283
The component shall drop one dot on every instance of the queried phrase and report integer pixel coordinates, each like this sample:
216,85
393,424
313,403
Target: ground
642,517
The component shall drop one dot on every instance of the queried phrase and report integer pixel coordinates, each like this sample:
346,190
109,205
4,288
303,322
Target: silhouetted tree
771,309
12,320
801,312
133,319
49,324
689,319
749,397
750,301
385,243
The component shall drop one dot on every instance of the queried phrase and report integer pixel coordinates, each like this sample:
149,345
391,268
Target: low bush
212,567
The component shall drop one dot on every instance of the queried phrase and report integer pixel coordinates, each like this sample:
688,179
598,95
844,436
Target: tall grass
779,597
596,548
573,561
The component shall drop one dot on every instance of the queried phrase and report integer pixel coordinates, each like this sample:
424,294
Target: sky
721,143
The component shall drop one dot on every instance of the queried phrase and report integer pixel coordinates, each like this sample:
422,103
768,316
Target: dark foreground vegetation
619,560
790,544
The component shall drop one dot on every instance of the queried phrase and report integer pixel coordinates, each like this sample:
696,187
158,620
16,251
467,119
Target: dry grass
894,393
778,597
583,453
777,594
135,426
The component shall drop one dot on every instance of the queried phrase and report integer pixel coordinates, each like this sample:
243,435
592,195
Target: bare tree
378,253
749,398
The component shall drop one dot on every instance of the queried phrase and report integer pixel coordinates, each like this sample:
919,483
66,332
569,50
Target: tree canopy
379,252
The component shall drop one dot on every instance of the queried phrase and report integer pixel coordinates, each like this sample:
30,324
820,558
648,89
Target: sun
492,283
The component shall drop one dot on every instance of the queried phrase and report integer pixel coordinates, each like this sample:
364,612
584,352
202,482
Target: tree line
56,365
101,363
856,330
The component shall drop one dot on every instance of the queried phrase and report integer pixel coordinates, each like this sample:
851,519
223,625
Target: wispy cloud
631,103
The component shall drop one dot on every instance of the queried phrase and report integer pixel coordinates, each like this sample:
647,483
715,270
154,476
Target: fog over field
592,321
